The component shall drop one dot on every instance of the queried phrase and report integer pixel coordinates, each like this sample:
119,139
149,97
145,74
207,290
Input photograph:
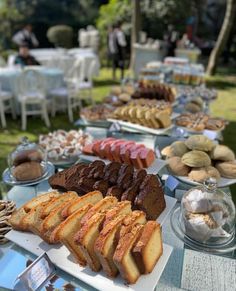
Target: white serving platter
61,257
133,126
155,167
223,182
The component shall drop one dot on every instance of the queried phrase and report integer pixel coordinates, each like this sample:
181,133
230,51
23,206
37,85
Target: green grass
224,106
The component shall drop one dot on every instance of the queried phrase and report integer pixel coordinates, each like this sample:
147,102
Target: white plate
61,257
155,167
142,128
8,178
223,182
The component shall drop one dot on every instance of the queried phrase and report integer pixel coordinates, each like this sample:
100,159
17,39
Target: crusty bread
66,232
148,248
106,243
57,202
106,203
86,238
123,207
17,218
91,197
123,258
136,217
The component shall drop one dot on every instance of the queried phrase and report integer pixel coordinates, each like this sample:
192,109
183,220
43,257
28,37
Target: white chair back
76,74
92,70
31,81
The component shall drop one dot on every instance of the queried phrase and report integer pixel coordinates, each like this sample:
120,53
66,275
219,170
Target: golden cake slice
86,238
91,197
106,243
148,248
123,257
123,207
67,230
106,203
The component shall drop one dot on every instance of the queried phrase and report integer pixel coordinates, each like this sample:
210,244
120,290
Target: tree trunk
136,25
223,36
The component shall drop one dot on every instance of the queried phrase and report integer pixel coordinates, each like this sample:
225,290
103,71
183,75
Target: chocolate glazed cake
114,179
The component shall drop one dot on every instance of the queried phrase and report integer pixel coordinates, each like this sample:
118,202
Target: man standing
116,48
26,37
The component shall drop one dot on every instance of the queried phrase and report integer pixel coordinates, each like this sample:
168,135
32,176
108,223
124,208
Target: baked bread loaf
202,174
148,248
196,159
178,148
222,153
86,238
27,171
178,168
123,257
27,156
67,230
106,244
227,169
200,143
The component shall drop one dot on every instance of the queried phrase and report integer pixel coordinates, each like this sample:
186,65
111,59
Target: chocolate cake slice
131,193
111,172
58,180
115,191
125,176
101,186
97,169
139,174
151,197
73,176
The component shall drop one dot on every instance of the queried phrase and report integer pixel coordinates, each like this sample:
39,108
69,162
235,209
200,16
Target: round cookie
179,148
199,142
227,169
176,167
202,174
222,153
196,159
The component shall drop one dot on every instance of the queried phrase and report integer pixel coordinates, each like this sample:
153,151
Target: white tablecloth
64,59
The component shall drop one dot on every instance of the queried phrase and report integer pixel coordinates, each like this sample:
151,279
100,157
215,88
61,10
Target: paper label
36,274
171,183
210,134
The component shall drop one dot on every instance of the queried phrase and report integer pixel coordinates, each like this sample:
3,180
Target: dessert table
186,269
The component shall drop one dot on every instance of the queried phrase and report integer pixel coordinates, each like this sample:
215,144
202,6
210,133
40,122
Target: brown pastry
196,159
28,171
27,156
193,108
227,169
199,142
222,153
167,152
176,166
178,148
202,174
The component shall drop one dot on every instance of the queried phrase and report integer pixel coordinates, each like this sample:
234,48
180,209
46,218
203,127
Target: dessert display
207,94
208,214
99,232
155,91
187,76
27,162
97,112
150,116
6,209
199,159
199,122
195,105
62,146
120,150
114,179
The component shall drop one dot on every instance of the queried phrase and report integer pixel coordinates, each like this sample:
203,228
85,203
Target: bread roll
200,143
27,156
196,159
202,174
179,148
227,169
222,153
176,167
28,171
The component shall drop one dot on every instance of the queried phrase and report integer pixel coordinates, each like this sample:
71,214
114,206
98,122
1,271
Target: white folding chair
32,96
6,103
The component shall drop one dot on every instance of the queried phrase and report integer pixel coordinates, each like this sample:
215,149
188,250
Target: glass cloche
28,161
206,218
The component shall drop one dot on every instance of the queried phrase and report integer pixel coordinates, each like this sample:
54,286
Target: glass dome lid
28,161
208,214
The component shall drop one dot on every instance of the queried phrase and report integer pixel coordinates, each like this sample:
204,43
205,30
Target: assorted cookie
6,209
97,112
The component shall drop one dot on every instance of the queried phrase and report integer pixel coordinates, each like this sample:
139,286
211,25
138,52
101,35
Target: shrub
61,36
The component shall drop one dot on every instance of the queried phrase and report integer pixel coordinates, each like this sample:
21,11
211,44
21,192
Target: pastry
6,209
167,152
27,156
176,167
27,171
227,169
124,97
196,159
222,153
202,174
178,148
199,142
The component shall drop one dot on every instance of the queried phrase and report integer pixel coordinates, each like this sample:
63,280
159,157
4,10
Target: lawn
224,106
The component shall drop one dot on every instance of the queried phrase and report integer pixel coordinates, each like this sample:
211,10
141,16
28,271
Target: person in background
24,58
26,36
116,48
171,37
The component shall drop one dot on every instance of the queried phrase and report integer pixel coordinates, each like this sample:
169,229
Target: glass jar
207,215
28,161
